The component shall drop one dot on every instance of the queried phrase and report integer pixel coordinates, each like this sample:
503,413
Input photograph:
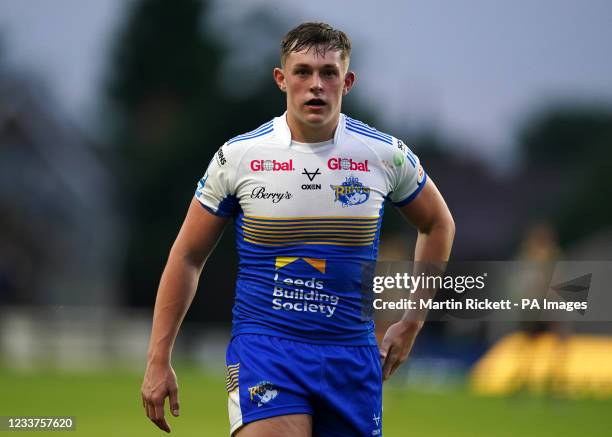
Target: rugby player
306,192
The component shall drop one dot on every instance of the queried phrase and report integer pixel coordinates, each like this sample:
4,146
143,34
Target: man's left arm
436,229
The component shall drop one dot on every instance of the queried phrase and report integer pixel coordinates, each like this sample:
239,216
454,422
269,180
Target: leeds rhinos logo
263,392
351,192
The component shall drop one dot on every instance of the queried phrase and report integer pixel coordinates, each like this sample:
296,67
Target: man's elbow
449,226
186,256
442,224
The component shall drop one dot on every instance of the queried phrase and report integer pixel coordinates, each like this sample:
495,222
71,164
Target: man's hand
196,240
159,383
397,344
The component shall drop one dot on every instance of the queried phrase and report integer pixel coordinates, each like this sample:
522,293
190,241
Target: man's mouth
315,103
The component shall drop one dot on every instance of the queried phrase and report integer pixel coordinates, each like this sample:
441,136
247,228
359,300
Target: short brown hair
318,36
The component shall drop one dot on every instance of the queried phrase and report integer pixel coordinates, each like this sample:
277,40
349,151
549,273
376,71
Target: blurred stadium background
91,199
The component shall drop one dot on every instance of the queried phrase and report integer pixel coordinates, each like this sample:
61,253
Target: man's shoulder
381,142
263,132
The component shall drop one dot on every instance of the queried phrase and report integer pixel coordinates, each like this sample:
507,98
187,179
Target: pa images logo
263,392
351,192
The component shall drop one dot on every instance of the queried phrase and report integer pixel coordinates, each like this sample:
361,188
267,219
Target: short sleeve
408,176
215,190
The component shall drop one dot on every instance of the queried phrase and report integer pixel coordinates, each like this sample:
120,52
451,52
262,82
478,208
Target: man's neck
311,134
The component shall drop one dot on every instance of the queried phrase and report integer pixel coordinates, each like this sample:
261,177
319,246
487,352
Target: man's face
314,84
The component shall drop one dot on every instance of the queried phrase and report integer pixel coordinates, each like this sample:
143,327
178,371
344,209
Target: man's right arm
196,240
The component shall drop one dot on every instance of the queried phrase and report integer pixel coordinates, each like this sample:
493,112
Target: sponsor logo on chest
347,164
261,193
311,176
271,165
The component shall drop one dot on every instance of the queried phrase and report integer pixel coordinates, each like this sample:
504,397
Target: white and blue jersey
307,218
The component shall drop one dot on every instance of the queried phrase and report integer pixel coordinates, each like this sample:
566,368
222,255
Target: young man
306,193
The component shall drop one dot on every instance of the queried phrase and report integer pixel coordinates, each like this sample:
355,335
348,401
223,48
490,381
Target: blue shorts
339,386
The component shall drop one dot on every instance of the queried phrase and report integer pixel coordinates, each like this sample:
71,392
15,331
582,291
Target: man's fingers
174,402
389,362
159,384
162,424
150,411
384,346
159,409
395,366
155,412
387,368
160,420
383,357
384,350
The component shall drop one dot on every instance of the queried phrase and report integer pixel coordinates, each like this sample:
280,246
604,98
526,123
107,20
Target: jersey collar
284,133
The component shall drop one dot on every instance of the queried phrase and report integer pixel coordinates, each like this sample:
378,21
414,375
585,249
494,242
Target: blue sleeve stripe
411,159
416,192
260,128
367,134
371,131
354,121
367,127
250,134
412,154
235,140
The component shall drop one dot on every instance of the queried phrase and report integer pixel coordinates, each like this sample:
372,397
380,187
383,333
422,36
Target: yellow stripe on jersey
339,231
293,230
312,218
333,243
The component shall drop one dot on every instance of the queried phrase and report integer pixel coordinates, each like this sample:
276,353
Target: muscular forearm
176,291
196,240
432,251
435,244
193,245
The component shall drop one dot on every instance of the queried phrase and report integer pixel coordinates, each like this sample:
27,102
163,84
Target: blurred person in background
306,192
539,372
539,245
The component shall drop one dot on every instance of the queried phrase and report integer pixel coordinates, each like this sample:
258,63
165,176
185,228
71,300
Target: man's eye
301,72
329,73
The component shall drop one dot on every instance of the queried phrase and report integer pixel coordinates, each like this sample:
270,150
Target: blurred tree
567,136
172,101
576,142
163,100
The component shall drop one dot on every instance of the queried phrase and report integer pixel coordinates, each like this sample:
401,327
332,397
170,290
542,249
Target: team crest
263,392
351,192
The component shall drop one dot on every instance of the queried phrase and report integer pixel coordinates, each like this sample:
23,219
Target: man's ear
349,81
279,78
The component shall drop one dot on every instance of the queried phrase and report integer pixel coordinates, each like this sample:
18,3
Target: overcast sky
472,69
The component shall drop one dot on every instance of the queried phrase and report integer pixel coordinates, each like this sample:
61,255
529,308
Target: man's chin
316,119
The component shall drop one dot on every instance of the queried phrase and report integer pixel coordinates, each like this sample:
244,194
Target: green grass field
108,404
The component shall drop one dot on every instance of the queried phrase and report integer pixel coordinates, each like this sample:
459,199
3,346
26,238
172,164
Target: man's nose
317,83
